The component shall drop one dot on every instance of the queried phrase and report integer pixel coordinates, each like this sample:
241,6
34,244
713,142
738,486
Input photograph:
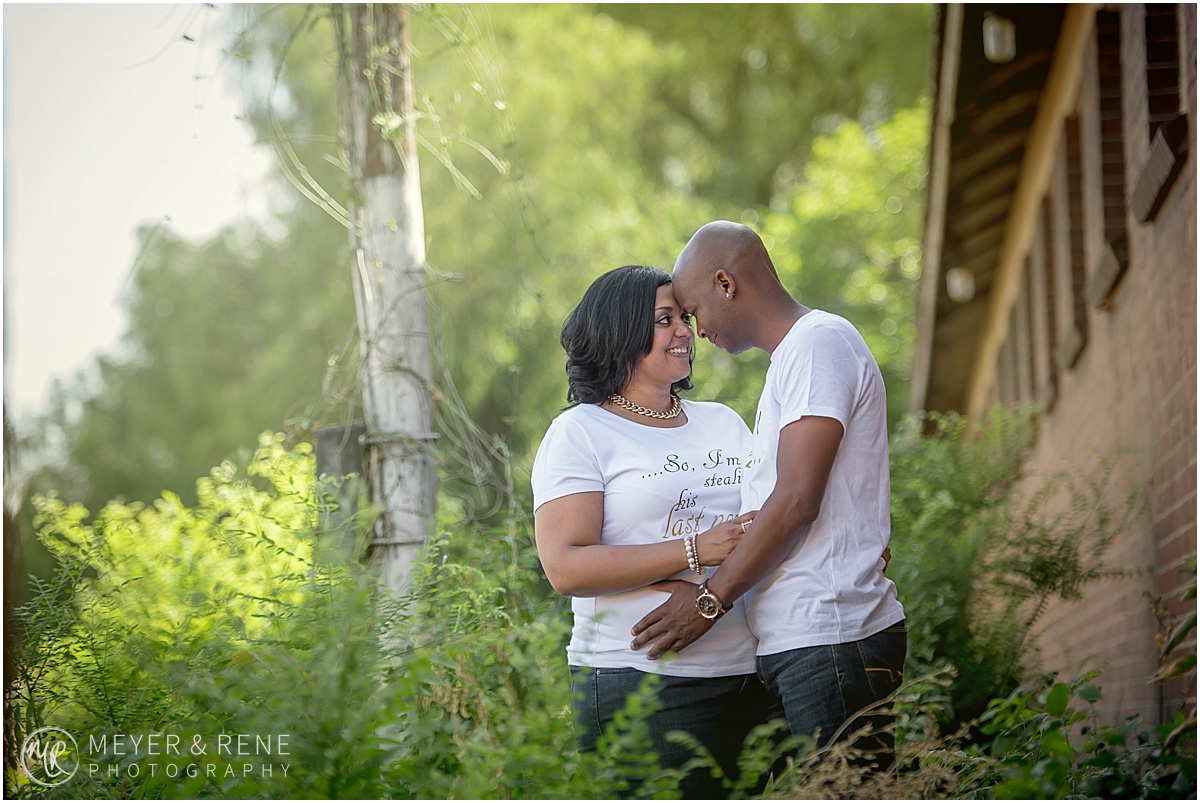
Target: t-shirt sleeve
565,464
820,376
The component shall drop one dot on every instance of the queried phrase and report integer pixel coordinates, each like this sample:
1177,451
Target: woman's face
670,354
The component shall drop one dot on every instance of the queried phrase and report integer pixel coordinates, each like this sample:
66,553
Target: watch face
708,606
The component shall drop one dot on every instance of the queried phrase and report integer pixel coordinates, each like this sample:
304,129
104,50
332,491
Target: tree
387,246
850,239
226,338
755,85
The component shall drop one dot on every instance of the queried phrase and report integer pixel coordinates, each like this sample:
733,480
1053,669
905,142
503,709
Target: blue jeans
718,712
818,689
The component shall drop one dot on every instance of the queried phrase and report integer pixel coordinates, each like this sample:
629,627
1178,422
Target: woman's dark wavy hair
609,330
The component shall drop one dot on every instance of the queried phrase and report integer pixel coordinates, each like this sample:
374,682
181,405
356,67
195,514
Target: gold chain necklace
621,401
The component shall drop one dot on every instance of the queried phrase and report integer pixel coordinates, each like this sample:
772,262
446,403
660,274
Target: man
832,640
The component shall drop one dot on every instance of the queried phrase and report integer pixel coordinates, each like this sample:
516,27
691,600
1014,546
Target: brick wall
1134,388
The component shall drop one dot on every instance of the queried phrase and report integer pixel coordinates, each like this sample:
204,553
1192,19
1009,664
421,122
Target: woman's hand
714,544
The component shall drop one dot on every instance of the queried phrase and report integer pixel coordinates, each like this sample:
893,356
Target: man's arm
807,450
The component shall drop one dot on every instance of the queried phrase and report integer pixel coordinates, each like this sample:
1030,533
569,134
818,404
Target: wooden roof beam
935,211
1059,100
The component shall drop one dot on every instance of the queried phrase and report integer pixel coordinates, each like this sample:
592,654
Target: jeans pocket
883,658
613,671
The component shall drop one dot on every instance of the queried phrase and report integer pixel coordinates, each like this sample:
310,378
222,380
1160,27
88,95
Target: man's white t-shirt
831,589
659,484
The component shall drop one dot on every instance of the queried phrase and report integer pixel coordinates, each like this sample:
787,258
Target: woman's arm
567,533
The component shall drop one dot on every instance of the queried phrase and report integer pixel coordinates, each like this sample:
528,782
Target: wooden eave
982,117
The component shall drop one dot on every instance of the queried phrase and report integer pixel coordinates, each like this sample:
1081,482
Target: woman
631,486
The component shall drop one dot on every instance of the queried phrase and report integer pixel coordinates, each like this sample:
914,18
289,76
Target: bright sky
112,119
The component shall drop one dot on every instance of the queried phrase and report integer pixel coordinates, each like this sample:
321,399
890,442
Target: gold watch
708,605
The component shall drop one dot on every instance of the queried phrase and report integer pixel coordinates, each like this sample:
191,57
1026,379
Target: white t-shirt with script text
659,484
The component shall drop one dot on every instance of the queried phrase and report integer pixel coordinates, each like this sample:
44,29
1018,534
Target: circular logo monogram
50,756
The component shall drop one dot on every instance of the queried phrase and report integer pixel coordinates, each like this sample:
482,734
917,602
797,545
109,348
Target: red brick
1133,387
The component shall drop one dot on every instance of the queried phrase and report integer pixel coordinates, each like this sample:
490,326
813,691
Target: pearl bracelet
689,546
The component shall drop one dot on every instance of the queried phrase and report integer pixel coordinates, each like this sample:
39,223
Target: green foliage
1045,740
848,240
1044,747
225,339
758,84
572,204
978,550
1175,633
174,581
249,614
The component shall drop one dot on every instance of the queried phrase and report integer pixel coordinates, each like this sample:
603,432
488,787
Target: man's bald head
717,245
724,277
728,246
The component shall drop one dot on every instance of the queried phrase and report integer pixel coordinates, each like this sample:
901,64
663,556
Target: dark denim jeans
719,712
819,689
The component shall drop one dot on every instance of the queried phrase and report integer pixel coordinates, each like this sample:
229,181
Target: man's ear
725,283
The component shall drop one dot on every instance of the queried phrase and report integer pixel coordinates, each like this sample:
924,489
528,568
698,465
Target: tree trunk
387,246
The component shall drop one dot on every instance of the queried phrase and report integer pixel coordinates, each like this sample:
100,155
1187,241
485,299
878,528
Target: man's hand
673,625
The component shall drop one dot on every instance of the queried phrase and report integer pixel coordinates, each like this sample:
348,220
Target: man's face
710,310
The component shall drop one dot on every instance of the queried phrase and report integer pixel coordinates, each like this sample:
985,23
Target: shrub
250,614
975,561
1042,747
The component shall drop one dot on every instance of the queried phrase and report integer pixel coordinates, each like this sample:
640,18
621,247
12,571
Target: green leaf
1016,789
1057,744
1057,699
1180,633
1176,668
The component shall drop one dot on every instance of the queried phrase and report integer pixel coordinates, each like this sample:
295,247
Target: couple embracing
745,570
